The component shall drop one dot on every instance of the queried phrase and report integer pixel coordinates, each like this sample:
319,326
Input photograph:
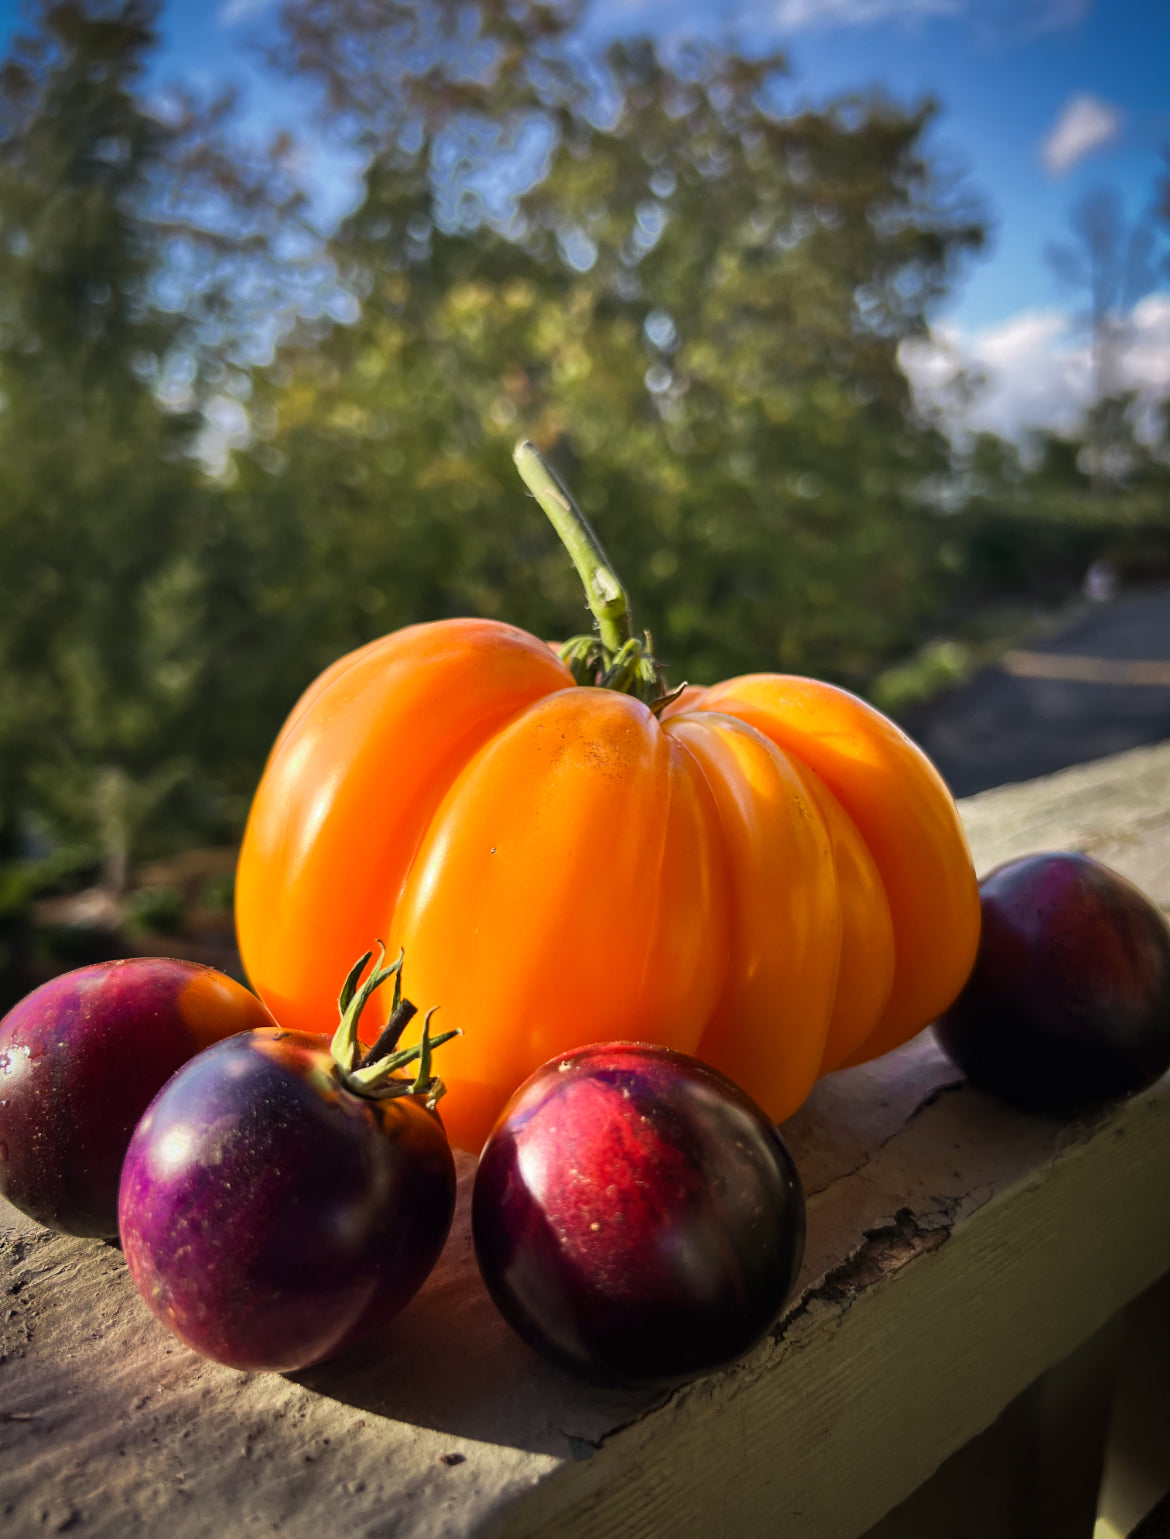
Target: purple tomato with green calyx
636,1217
282,1200
81,1058
1068,1004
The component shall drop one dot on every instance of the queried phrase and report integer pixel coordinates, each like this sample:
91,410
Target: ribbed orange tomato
767,873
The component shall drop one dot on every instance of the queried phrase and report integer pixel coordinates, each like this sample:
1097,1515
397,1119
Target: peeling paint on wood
956,1249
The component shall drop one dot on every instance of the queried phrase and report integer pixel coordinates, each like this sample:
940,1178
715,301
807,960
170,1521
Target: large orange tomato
766,873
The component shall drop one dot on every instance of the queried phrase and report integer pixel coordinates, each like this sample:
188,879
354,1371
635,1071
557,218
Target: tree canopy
233,446
118,277
694,299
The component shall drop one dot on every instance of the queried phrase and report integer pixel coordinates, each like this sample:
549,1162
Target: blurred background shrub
234,445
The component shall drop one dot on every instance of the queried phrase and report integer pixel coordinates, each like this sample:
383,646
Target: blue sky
1039,101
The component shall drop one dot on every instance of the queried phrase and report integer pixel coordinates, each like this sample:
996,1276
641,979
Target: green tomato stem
401,1016
605,594
376,1075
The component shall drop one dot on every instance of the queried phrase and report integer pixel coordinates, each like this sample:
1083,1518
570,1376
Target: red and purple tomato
81,1058
270,1216
1068,1004
636,1217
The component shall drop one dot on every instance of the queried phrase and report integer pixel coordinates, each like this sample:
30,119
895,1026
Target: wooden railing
963,1308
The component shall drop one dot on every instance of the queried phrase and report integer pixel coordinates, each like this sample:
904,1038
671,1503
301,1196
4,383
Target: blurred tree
123,227
694,297
1031,519
1035,522
1113,263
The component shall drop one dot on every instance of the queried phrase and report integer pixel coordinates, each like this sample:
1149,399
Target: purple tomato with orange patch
81,1058
283,1198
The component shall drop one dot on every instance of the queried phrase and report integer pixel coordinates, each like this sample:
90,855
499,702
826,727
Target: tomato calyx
632,670
612,657
374,1075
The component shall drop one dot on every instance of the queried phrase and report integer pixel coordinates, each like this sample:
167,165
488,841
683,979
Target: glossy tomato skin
636,1217
791,883
271,1218
1068,1005
81,1058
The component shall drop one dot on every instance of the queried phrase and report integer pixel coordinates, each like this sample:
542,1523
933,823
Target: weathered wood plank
956,1249
1115,809
1035,1472
951,1306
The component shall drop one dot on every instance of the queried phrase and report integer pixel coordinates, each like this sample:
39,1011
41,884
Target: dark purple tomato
1068,1005
272,1217
80,1060
636,1216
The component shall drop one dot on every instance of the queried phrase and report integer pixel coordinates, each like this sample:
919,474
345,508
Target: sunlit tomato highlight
270,1217
771,874
81,1058
770,1025
636,1216
907,818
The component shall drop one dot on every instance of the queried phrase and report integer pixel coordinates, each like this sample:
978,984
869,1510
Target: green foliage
1031,521
93,498
112,543
939,665
690,296
159,909
696,306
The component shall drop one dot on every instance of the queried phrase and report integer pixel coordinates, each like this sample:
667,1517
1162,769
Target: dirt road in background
1099,686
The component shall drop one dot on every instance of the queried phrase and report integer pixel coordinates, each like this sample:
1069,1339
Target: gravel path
1010,723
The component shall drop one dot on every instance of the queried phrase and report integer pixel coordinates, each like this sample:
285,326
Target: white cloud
1034,369
993,18
1052,15
988,19
232,12
1085,124
803,15
1148,358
